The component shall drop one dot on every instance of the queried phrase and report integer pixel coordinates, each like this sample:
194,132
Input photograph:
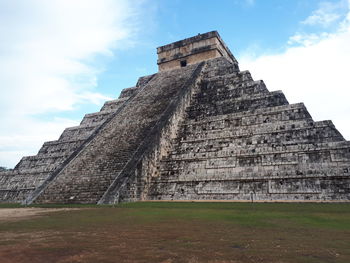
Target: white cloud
307,39
326,14
46,52
25,135
315,72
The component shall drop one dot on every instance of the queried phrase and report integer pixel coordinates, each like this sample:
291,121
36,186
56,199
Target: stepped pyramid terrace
198,129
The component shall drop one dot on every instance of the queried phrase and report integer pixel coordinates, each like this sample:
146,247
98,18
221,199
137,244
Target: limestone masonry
199,129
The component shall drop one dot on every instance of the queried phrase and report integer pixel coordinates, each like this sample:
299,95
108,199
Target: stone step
233,159
128,92
322,131
43,159
230,78
78,132
90,189
92,119
113,105
291,170
214,93
218,67
16,185
283,112
36,161
60,146
338,151
241,104
142,81
225,128
228,148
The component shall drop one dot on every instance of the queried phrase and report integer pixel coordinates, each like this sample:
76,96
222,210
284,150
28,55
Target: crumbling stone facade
199,129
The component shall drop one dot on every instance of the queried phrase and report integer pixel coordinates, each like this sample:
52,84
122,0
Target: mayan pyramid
199,129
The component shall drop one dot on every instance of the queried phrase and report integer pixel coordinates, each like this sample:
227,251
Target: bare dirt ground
15,214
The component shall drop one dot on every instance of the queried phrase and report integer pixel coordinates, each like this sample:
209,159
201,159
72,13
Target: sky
61,59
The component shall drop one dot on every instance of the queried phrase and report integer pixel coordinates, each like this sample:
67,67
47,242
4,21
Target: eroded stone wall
240,141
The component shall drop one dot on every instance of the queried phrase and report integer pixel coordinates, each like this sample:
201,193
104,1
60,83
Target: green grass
10,205
184,232
318,215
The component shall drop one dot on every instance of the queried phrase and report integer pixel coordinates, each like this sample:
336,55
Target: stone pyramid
199,129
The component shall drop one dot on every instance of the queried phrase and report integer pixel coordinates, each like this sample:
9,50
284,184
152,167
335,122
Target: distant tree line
2,168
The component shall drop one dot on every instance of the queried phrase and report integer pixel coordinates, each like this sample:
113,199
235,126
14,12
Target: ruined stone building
199,129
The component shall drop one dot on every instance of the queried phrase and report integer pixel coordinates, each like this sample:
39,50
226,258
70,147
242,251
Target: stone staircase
102,162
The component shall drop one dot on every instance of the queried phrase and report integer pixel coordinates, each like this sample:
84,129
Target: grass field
180,232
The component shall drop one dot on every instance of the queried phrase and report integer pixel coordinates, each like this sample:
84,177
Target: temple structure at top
193,50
